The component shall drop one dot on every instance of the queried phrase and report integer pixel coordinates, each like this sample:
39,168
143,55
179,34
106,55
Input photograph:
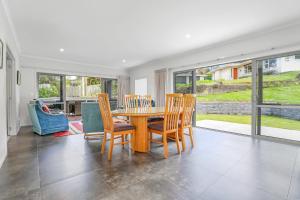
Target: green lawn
269,121
286,76
284,95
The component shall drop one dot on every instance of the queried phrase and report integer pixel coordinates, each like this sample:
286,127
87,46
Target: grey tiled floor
221,166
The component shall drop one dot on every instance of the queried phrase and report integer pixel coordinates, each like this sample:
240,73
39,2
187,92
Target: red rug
75,127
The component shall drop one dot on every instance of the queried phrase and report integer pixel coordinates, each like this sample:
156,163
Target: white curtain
160,86
123,88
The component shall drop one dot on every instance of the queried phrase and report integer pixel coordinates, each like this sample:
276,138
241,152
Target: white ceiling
104,32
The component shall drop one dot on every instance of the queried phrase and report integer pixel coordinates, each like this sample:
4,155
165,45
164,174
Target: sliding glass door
50,89
67,92
224,94
110,86
278,97
185,83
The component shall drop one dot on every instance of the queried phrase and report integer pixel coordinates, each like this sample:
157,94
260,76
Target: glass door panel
184,82
50,90
278,97
224,94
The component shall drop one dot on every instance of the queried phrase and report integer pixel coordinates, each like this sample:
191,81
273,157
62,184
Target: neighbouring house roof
231,65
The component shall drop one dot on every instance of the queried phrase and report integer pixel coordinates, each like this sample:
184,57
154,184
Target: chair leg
111,146
191,136
103,143
177,142
181,133
165,142
132,142
123,140
149,141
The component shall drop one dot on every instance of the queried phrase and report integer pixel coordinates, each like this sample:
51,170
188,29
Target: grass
286,76
270,121
283,95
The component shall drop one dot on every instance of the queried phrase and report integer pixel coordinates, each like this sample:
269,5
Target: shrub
51,91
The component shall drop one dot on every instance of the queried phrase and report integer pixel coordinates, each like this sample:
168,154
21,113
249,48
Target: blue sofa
45,123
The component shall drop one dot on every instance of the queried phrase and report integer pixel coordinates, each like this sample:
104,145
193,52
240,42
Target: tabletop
152,111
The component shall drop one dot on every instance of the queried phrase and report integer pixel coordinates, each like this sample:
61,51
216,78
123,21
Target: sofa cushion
158,127
45,108
123,127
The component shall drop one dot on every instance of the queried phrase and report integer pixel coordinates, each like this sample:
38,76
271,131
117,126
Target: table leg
141,133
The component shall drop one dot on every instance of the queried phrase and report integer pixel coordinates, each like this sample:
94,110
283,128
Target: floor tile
220,166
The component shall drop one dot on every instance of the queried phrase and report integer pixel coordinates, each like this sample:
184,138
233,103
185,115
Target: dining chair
169,126
116,130
131,101
189,101
145,102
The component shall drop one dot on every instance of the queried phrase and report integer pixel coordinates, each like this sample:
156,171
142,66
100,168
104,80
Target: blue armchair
91,119
46,123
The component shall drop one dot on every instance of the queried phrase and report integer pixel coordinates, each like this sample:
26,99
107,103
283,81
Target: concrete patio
245,129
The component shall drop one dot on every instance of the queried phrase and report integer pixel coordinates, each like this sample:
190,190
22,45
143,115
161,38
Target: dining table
139,118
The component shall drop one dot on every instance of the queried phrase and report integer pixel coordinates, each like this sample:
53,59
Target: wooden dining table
139,118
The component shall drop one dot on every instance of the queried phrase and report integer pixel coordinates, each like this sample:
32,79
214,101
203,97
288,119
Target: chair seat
123,127
158,127
155,119
116,120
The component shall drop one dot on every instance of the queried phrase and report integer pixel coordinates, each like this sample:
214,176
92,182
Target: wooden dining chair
116,130
173,108
189,101
145,102
131,101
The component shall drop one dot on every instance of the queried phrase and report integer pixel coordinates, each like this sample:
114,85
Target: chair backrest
131,101
104,107
189,101
174,103
145,101
91,117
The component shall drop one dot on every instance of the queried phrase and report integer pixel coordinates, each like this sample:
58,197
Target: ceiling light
123,61
187,36
61,50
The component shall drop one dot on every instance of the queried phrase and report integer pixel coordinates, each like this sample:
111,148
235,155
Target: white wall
272,41
6,35
32,65
141,87
291,64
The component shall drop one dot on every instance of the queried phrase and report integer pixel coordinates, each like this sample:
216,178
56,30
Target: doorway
10,71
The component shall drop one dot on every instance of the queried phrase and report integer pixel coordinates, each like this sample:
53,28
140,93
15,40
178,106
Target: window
270,63
110,86
49,87
282,86
248,69
79,86
114,89
141,86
